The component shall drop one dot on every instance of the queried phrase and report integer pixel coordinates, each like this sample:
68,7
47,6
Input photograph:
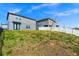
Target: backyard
39,43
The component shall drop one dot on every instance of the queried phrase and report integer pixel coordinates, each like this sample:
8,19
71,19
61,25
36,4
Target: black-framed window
45,25
16,25
27,26
57,25
18,18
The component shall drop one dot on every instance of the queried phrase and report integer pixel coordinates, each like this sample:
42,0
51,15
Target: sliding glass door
16,26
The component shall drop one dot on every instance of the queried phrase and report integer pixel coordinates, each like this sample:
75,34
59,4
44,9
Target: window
18,18
57,25
27,26
16,26
45,25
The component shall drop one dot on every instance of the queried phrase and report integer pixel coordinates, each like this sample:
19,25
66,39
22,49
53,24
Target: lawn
39,43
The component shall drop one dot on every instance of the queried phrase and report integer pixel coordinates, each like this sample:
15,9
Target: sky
65,14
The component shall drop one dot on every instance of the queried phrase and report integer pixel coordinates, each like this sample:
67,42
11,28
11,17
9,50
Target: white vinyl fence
61,29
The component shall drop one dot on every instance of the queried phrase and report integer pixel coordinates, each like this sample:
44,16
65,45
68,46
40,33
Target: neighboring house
4,26
18,22
47,22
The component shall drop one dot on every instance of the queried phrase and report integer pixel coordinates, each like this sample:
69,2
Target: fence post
1,40
72,31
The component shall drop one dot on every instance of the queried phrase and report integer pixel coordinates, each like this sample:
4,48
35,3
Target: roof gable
20,16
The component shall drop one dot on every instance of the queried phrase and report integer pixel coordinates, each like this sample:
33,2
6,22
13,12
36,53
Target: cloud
15,10
64,13
68,12
41,6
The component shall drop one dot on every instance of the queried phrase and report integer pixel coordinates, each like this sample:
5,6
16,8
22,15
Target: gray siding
46,22
23,21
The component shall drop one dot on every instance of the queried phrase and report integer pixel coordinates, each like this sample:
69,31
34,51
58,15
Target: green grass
1,42
39,43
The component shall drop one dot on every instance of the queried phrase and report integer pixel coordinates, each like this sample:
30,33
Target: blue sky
65,14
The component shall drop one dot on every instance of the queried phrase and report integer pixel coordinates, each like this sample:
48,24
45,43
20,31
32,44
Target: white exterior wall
23,21
42,23
46,22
